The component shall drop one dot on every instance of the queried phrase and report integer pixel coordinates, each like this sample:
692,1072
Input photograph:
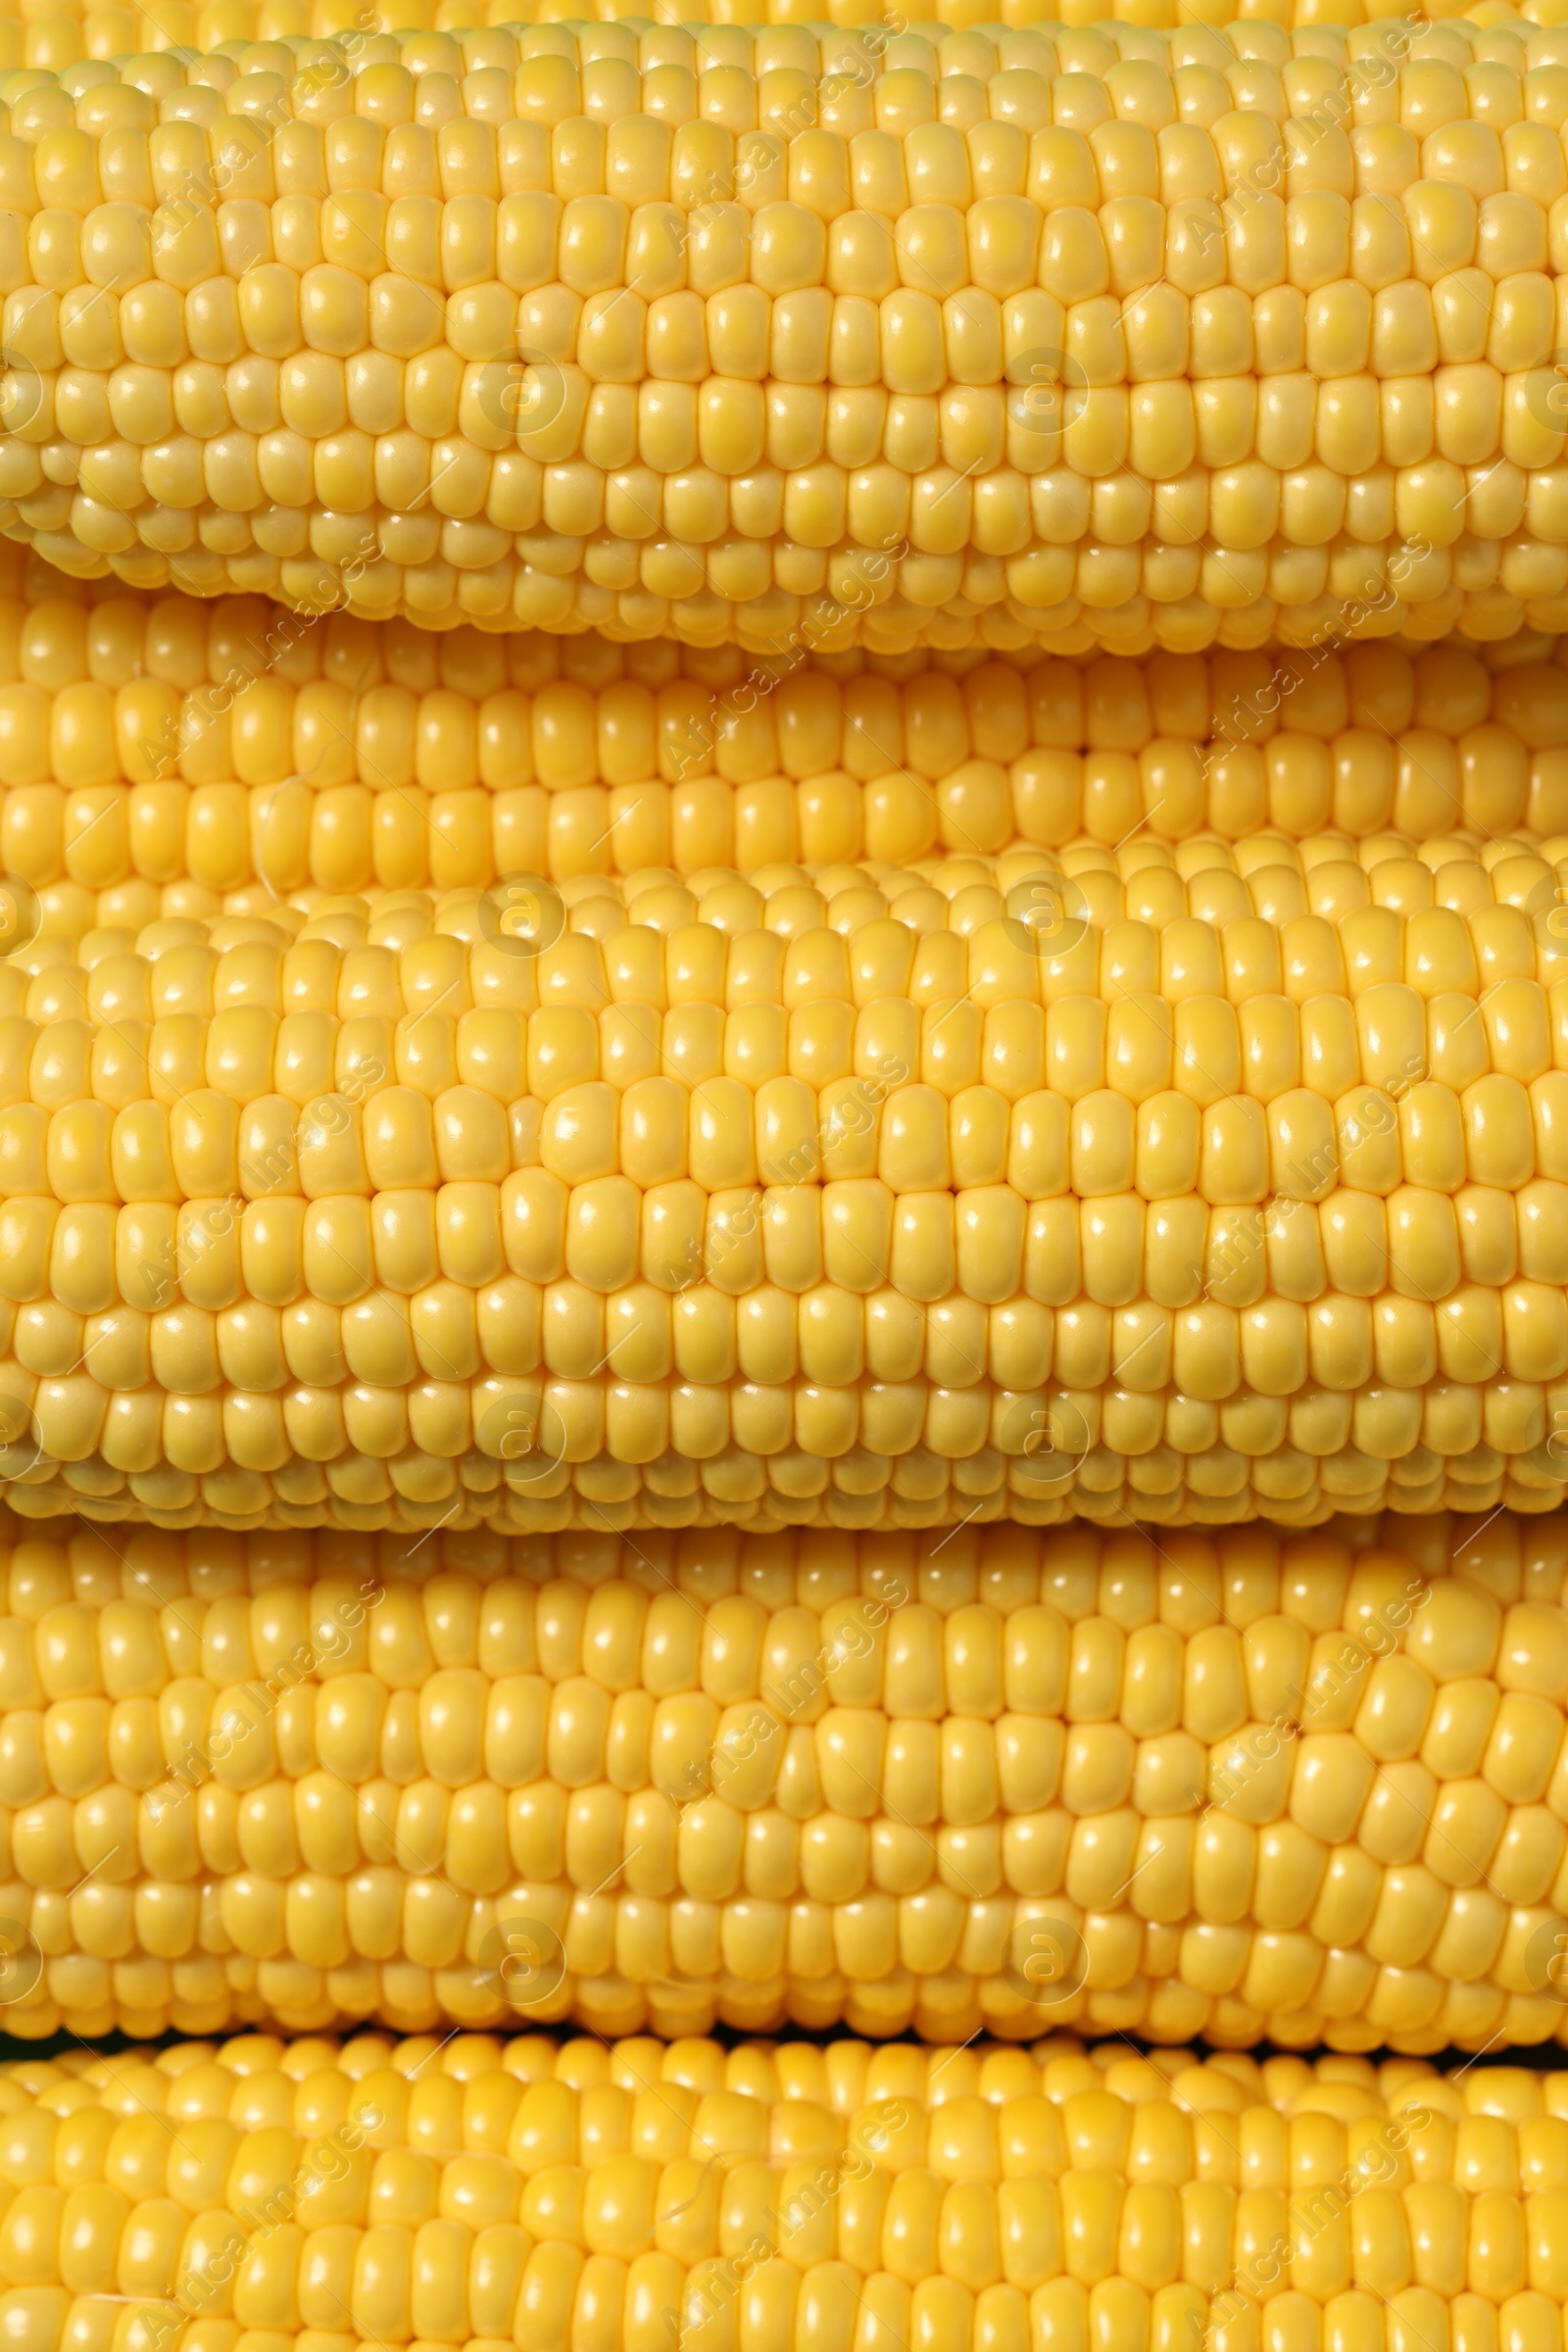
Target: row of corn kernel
602,1611
519,1691
1042,1439
1383,1001
56,633
817,50
1496,1309
466,2093
223,689
989,111
132,916
1141,1296
1306,450
1164,1487
871,1959
1006,966
1056,1443
951,893
1001,539
1401,1913
795,182
740,78
961,607
597,2088
1217,1485
1120,1687
939,892
1031,520
958,893
1125,1271
1402,1910
426,1326
57,34
843,956
354,838
1191,1583
1052,495
1037,282
1244,1102
1029,1769
1143,1102
961,604
786,953
1365,1922
811,285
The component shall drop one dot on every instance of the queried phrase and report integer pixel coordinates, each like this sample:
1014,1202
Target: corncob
165,758
1243,1212
805,2196
744,354
1308,1789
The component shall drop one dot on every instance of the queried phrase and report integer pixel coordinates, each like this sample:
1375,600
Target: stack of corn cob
757,777
895,1067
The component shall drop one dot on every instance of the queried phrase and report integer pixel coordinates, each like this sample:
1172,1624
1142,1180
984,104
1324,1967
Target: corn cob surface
148,745
1310,1789
330,2196
731,354
1241,1212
